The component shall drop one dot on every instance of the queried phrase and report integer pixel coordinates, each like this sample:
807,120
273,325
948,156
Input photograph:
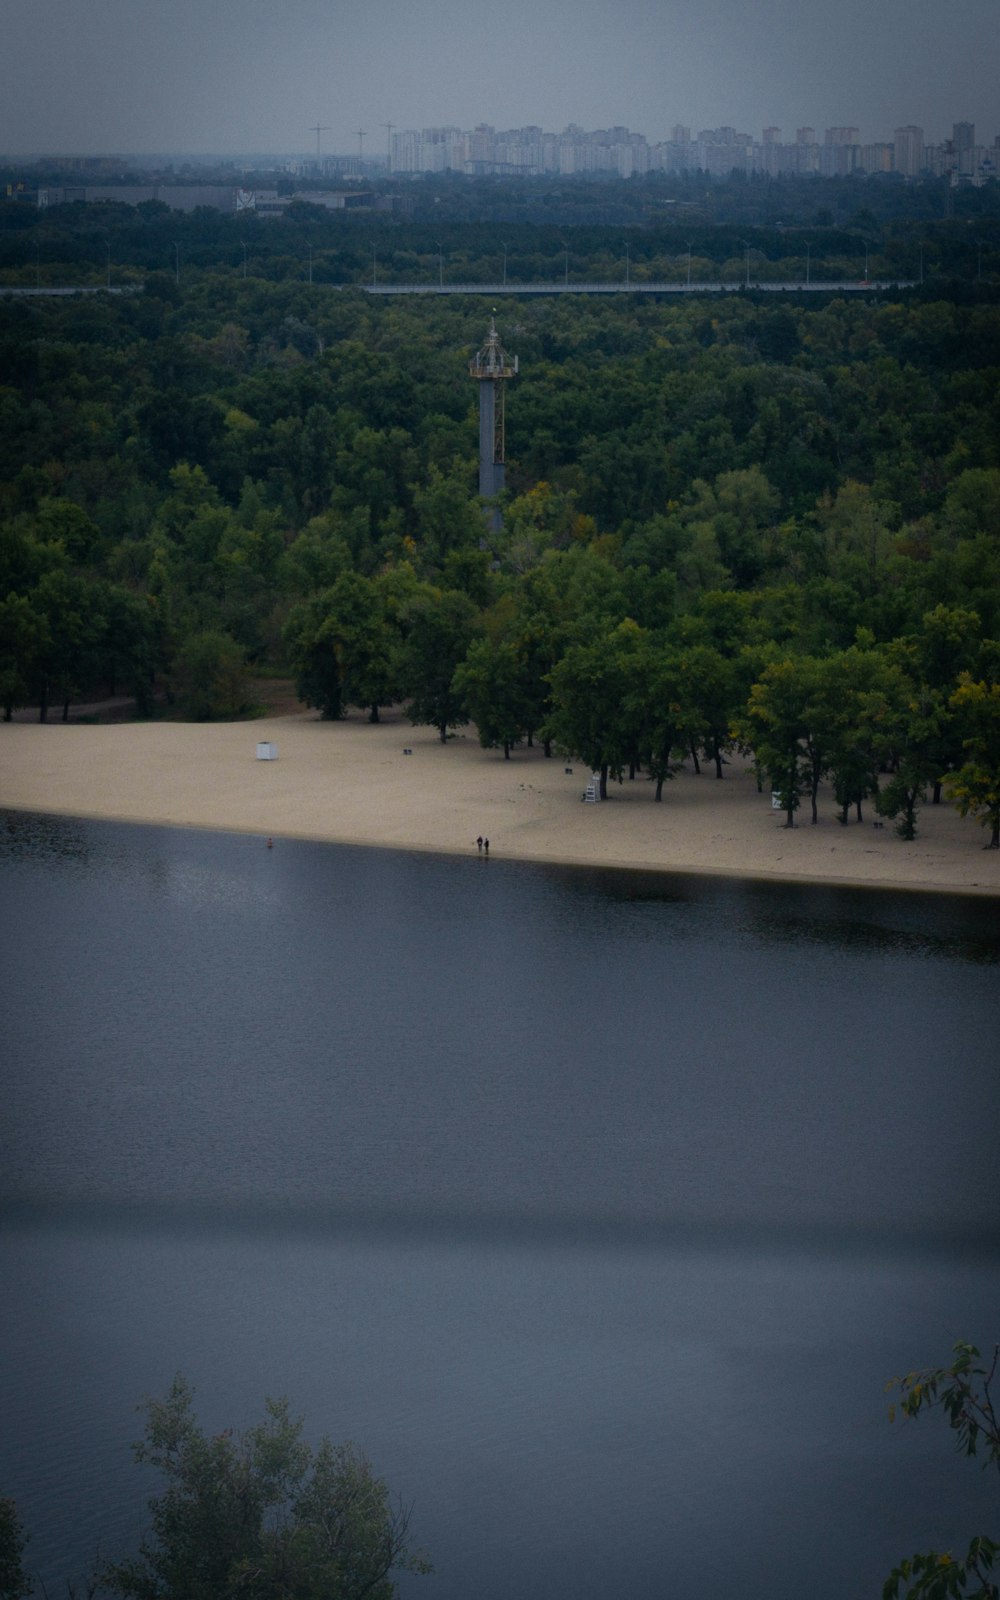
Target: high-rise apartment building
875,158
716,151
909,151
963,144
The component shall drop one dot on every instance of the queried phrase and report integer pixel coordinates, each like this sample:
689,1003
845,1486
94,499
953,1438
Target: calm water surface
597,1206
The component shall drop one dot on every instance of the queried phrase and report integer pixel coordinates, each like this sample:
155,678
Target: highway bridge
507,290
495,291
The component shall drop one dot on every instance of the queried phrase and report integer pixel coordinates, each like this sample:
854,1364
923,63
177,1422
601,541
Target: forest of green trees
760,522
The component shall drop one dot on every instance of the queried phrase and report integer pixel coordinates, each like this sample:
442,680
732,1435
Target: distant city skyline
966,155
617,152
232,76
718,151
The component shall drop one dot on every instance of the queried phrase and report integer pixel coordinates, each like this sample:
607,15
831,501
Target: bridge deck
494,290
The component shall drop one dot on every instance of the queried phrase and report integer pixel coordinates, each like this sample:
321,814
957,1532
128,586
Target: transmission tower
491,368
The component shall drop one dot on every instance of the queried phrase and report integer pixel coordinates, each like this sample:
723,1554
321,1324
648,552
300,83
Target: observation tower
491,369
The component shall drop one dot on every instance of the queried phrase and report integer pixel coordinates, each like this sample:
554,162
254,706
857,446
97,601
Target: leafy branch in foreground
14,1581
962,1392
261,1515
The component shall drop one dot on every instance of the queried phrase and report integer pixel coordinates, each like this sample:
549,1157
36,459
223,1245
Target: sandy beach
351,782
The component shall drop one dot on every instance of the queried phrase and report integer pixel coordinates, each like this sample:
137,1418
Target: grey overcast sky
230,76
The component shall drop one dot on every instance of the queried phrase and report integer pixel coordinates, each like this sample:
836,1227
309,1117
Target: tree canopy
259,1513
234,471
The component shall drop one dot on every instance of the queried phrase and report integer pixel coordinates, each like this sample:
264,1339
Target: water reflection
916,922
32,837
198,866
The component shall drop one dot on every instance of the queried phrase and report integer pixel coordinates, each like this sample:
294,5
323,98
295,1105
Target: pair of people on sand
483,845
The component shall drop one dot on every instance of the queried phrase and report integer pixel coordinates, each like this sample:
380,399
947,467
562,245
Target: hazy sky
253,75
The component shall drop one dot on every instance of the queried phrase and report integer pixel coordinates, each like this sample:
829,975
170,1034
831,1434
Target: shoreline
573,863
350,783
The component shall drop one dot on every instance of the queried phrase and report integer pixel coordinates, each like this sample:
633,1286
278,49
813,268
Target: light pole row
747,251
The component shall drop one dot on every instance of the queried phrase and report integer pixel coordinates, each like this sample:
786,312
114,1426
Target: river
596,1206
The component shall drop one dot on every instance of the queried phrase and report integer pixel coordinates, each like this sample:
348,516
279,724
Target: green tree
920,736
975,787
540,519
962,1393
14,1581
655,705
945,645
853,716
313,658
127,649
590,716
972,504
23,640
491,681
856,529
439,628
210,676
365,642
738,507
776,727
316,559
73,628
448,518
261,1514
63,523
710,700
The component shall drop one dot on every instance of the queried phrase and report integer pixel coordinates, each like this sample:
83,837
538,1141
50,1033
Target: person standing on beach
479,844
486,846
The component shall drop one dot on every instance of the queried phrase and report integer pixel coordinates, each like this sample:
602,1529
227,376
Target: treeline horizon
830,231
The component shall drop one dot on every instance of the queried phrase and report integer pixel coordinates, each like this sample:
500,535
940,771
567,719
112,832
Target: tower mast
491,368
